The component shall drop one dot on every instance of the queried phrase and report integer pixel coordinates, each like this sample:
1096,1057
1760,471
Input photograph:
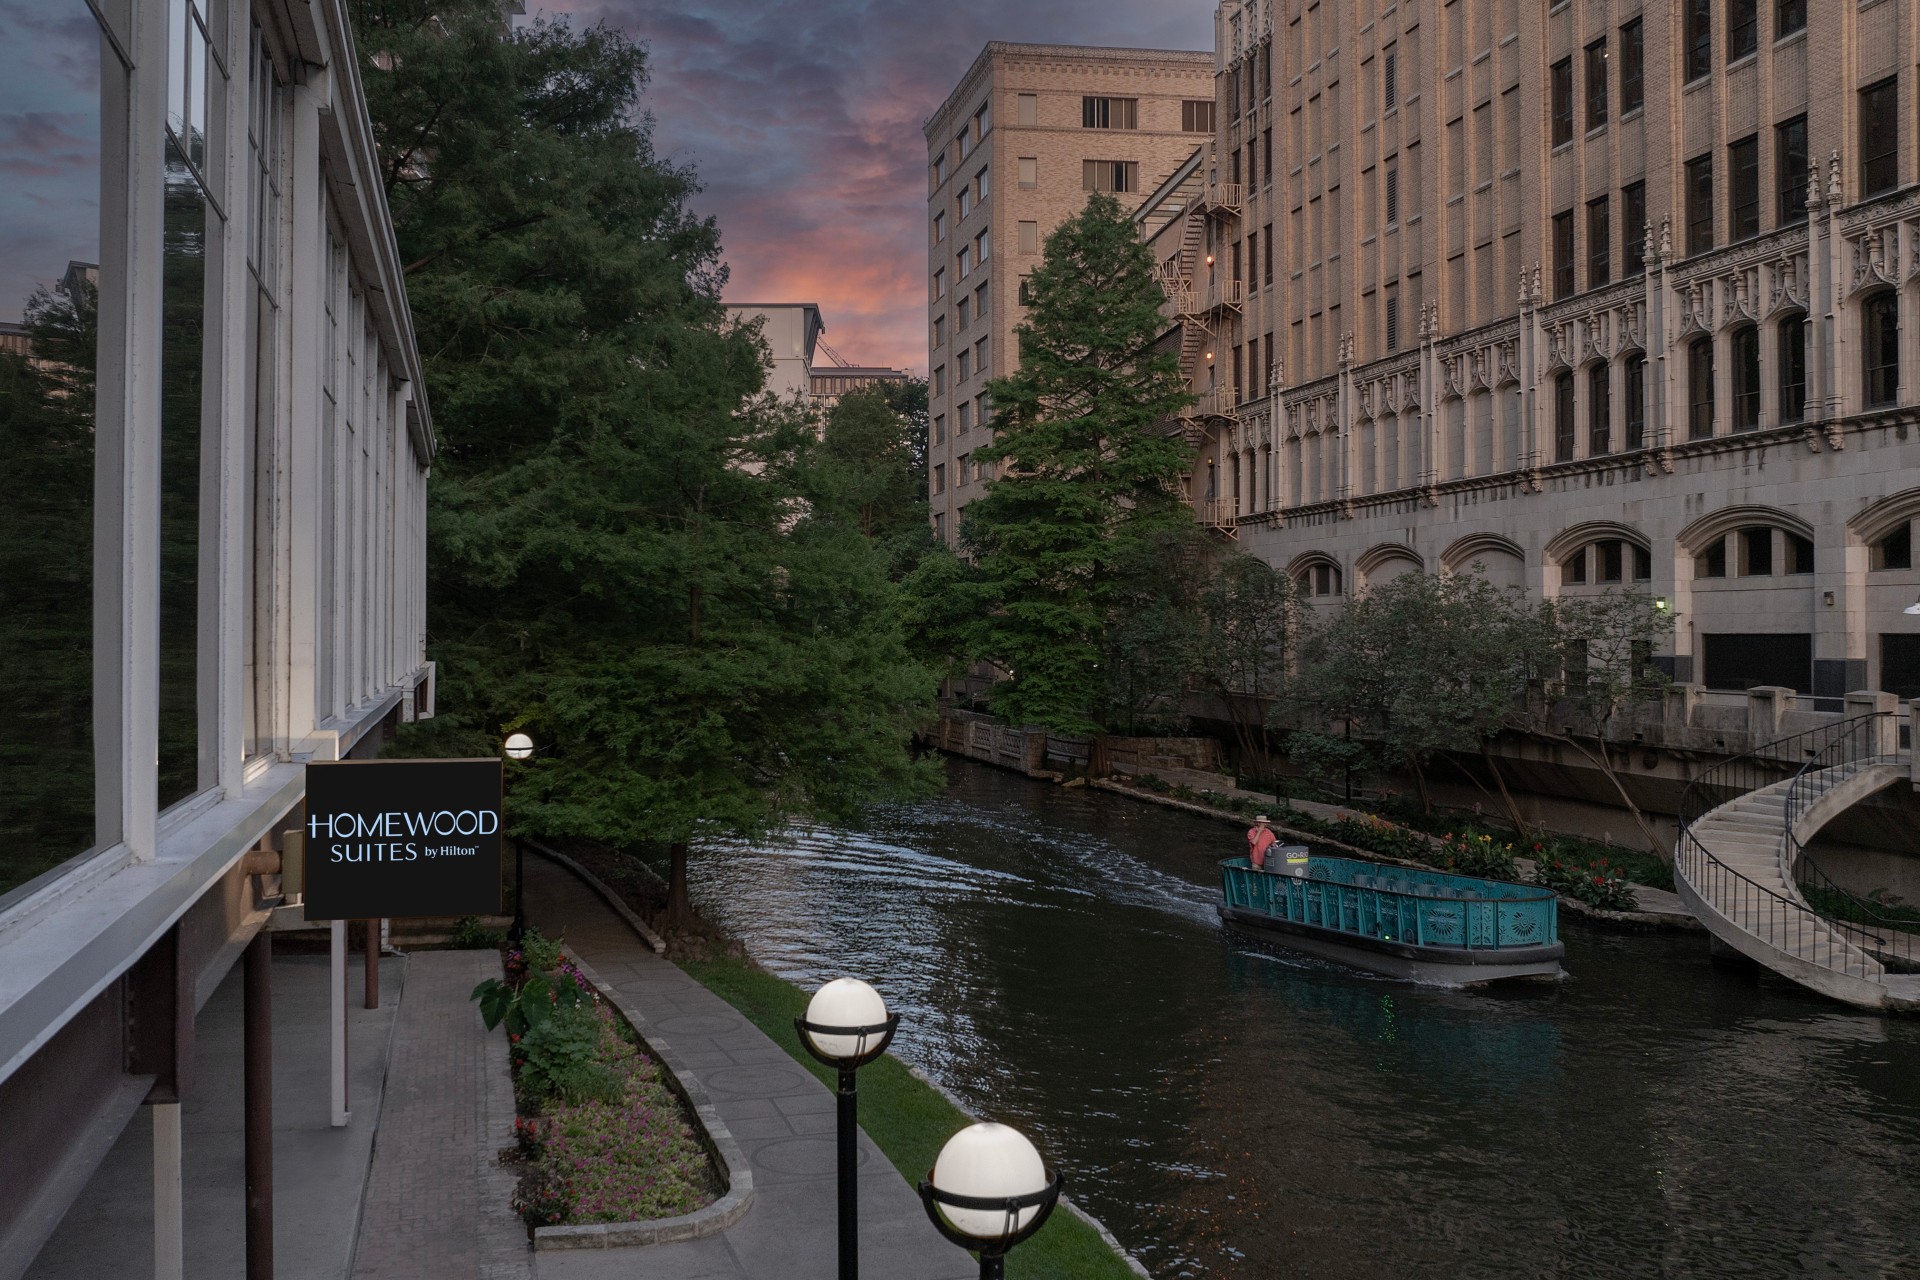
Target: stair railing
1811,760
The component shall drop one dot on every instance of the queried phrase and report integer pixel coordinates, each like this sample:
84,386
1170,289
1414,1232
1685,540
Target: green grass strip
907,1119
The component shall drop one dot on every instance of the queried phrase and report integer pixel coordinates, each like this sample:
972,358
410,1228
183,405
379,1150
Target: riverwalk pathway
778,1114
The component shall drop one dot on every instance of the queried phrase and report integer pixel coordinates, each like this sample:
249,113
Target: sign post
386,838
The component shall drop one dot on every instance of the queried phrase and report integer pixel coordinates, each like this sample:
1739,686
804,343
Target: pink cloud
803,121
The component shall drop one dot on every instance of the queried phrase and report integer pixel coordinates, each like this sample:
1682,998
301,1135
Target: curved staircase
1738,863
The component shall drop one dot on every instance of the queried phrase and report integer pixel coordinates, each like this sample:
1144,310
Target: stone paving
437,1204
777,1112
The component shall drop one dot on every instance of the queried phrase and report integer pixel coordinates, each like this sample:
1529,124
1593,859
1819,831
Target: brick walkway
437,1204
778,1113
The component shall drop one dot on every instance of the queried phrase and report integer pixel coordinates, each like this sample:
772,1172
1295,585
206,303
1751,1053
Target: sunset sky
803,121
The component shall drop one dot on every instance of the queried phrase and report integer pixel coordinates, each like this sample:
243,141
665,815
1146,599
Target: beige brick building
1584,293
1028,132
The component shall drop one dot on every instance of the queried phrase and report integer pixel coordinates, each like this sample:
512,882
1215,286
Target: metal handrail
1888,939
1787,923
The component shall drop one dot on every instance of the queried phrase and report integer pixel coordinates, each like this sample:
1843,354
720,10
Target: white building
791,330
212,522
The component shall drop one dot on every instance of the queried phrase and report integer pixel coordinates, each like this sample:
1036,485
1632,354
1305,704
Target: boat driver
1260,838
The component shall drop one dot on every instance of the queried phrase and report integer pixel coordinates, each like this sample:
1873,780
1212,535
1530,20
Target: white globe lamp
519,747
847,1026
988,1191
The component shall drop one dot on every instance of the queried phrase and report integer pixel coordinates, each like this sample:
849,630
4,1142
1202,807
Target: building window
939,169
963,262
1743,28
1700,389
1392,183
1599,411
940,283
980,356
940,524
1196,115
963,418
963,367
1393,321
940,428
1027,110
1109,113
1029,237
1642,565
1879,138
939,331
1743,188
963,144
1596,84
939,379
980,296
1266,155
1634,388
1610,560
1633,228
1793,368
962,471
939,477
982,121
983,246
1267,259
1799,553
1746,378
1894,551
1253,259
1563,430
1712,560
1789,16
1563,254
1026,292
1790,169
1697,38
1756,553
1110,175
981,181
1562,97
1029,172
982,415
1700,204
1320,580
939,227
962,313
1574,568
1389,80
1599,244
1633,67
1880,347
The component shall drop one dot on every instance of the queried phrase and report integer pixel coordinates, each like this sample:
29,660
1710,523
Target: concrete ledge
639,926
712,1130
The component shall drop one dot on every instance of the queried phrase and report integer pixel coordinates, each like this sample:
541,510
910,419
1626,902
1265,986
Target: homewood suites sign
391,838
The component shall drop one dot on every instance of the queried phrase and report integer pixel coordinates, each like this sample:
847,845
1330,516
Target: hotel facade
1582,295
212,537
1015,150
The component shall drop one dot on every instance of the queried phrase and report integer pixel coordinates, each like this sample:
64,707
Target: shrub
542,1197
1477,854
1598,884
560,1057
539,953
525,1006
469,935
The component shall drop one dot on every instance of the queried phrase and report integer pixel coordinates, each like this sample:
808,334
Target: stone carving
1626,328
1666,239
1834,193
1597,338
1876,259
1788,285
1509,356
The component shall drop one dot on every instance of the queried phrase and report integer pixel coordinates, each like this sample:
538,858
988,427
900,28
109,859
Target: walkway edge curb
639,926
1100,1228
721,1147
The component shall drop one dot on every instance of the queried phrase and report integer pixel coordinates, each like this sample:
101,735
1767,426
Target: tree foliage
1091,472
634,554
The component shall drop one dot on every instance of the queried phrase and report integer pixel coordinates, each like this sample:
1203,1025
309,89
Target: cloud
804,120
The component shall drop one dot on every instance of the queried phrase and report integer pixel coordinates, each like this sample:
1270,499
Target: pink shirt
1259,840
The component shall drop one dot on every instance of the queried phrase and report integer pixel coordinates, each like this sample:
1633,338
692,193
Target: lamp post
847,1026
518,746
988,1191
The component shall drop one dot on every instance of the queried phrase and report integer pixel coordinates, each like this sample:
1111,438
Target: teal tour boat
1402,922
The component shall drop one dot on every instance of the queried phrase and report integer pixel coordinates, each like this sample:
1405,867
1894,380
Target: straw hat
1260,820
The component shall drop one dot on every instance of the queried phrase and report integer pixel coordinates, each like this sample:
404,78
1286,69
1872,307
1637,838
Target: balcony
1225,196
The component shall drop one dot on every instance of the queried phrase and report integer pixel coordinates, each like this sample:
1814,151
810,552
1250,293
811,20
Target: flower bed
600,1136
1598,883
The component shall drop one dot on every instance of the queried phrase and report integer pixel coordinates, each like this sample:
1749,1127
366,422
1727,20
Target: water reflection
1236,1112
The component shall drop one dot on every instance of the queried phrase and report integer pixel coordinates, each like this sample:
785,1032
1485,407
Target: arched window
1634,376
1880,347
1700,389
1746,378
1321,578
1894,550
1599,411
1793,368
1236,484
1563,418
1607,562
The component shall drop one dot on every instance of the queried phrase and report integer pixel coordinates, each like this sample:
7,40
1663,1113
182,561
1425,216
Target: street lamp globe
519,747
846,1023
988,1191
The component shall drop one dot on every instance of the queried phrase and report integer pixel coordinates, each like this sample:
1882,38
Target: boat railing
1395,904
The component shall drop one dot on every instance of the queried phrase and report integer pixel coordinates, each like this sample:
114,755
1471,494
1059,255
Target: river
1229,1110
